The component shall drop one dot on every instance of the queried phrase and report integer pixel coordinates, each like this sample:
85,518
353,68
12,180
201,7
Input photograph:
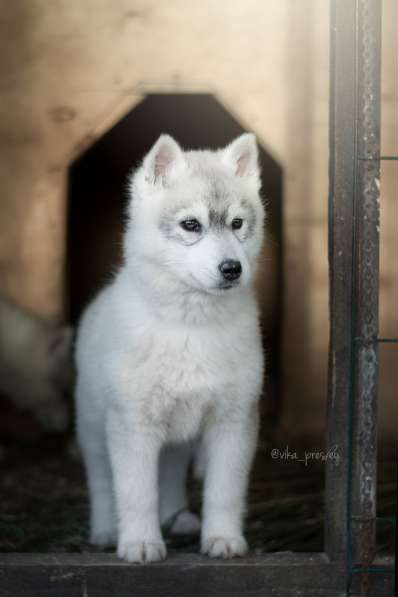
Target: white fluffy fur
167,360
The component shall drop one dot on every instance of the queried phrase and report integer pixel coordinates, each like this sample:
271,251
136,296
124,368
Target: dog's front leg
134,451
229,448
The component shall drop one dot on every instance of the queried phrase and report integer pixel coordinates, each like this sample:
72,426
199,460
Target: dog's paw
224,547
103,538
141,552
186,523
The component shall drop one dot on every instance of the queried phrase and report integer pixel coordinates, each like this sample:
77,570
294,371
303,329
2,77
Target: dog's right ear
164,161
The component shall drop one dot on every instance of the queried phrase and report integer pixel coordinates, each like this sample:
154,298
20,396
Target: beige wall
388,403
70,68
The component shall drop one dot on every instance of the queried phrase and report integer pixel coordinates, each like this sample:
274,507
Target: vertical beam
342,139
366,289
354,271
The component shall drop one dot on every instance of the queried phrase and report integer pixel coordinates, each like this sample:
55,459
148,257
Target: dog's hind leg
103,528
173,468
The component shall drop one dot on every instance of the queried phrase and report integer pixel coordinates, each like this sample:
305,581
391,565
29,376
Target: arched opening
97,197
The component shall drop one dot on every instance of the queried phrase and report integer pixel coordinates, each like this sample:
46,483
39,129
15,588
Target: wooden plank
103,575
281,574
341,215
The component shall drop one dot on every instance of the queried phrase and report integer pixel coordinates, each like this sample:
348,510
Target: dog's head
197,215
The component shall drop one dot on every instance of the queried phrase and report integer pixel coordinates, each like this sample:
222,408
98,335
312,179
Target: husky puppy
169,354
35,364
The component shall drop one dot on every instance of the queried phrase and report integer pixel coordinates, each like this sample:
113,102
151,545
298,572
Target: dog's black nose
230,269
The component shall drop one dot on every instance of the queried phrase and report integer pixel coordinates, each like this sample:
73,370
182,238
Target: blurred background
85,88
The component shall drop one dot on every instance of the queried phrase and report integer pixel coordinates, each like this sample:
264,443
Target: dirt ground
44,505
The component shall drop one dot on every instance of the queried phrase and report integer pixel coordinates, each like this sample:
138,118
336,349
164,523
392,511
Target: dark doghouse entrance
97,199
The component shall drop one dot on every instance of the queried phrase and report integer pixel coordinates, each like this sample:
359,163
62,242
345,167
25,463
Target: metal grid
354,274
348,566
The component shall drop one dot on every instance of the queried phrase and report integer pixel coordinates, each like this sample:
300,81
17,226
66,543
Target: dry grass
44,503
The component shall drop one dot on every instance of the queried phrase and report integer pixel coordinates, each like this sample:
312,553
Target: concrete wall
69,69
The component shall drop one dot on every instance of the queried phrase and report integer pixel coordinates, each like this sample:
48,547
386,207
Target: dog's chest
185,377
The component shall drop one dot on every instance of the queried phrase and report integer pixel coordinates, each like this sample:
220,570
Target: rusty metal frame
366,288
354,281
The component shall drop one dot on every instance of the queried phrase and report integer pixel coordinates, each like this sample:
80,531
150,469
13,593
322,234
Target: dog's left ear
242,155
164,161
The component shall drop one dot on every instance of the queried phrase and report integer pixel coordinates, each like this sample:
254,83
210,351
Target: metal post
342,139
354,276
366,288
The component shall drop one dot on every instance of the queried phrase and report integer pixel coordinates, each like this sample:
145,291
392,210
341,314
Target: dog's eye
191,225
237,223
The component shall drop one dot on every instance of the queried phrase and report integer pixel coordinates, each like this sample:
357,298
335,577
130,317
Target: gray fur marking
167,227
250,218
168,220
218,203
217,219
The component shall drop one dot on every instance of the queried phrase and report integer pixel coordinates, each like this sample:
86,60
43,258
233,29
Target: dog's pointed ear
164,161
242,155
